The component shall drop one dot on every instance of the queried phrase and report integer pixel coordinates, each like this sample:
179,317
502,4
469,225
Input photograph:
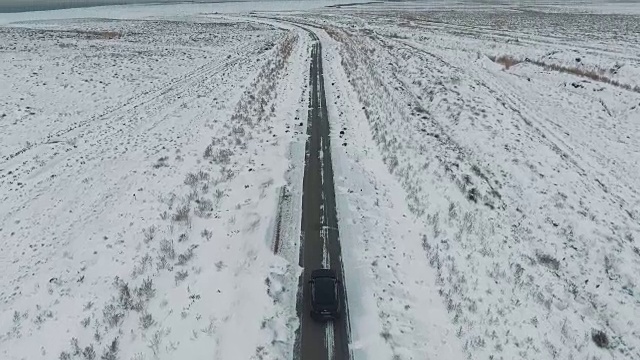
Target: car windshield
325,291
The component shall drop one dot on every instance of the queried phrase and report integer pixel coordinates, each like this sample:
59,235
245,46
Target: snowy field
139,180
509,226
486,161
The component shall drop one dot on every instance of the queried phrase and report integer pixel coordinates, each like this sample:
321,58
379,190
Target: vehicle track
176,85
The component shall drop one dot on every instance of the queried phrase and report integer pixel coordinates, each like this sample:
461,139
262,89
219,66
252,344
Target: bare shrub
193,179
600,338
386,335
146,321
141,268
208,152
180,276
86,322
222,156
154,343
219,265
167,249
112,315
193,195
181,214
111,351
206,234
64,356
75,348
146,291
593,74
184,258
238,130
506,60
204,208
149,233
124,294
219,194
162,162
88,352
548,261
163,263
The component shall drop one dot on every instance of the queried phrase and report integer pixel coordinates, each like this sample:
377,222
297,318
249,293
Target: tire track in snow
178,85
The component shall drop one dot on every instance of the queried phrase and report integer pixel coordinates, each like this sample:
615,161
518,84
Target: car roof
325,290
323,273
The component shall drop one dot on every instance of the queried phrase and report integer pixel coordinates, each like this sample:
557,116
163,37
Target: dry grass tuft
508,61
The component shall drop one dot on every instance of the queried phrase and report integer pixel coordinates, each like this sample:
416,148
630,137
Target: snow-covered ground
486,161
513,204
142,163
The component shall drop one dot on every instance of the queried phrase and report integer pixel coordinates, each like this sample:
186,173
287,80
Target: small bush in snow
142,267
193,179
86,321
208,152
146,321
219,194
124,294
149,234
146,291
154,343
238,130
206,234
112,315
167,249
205,206
548,261
181,214
222,156
89,353
386,335
163,264
184,258
193,195
181,275
64,356
75,348
111,351
506,60
600,338
162,162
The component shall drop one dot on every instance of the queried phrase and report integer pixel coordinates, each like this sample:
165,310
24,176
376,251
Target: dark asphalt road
320,246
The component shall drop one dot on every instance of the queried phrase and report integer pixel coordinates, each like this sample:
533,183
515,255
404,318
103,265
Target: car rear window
325,291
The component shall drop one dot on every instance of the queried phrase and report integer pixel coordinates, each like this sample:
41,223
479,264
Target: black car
325,295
